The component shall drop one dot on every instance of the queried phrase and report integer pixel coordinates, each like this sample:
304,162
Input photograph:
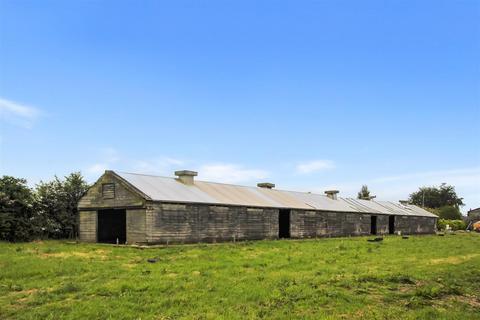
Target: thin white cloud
160,165
17,113
97,169
109,157
314,166
430,175
230,173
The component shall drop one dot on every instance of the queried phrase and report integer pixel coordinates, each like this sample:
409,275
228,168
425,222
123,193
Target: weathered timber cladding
415,225
88,226
382,224
123,196
136,231
184,223
108,190
311,224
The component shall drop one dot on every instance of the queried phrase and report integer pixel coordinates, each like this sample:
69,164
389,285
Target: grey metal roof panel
409,209
165,189
171,190
320,202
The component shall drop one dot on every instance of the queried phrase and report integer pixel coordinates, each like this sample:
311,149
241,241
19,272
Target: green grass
423,277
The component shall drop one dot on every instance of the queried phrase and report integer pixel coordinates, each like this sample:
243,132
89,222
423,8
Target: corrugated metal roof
171,190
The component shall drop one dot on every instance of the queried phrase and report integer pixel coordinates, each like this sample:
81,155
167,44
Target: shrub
454,224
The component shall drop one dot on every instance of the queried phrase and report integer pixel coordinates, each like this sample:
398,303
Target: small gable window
108,190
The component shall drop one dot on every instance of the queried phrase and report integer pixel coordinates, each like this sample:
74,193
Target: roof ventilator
332,194
186,176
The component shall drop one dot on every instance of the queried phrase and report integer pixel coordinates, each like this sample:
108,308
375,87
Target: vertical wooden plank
88,226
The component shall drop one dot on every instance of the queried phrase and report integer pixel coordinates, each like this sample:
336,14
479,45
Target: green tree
436,197
449,213
49,205
364,193
56,202
74,188
17,220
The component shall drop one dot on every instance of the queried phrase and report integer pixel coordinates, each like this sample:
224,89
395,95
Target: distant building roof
172,190
474,213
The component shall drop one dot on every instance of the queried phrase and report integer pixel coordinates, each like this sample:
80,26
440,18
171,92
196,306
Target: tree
449,213
56,203
364,193
49,204
16,210
436,197
74,188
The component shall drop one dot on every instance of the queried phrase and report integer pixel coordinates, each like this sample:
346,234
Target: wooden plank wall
183,223
415,225
88,226
382,224
312,224
136,231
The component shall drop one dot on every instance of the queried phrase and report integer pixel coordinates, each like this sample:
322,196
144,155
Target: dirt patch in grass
129,265
27,294
472,301
23,295
97,254
454,259
446,302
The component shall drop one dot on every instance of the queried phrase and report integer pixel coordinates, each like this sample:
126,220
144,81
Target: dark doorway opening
373,225
391,224
112,226
284,224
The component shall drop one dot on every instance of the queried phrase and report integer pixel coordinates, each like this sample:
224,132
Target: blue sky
309,95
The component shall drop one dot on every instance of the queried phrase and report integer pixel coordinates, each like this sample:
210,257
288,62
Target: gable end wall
125,197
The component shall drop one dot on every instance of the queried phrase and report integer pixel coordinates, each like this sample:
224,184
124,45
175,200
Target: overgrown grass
423,277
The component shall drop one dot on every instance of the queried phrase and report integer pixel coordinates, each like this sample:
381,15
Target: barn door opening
391,224
284,224
112,226
373,225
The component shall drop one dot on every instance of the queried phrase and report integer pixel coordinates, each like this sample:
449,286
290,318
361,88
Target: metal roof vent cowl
332,194
186,176
266,185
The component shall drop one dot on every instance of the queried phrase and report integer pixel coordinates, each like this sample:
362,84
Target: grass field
423,277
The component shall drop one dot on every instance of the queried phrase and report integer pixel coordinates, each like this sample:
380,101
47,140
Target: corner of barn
112,209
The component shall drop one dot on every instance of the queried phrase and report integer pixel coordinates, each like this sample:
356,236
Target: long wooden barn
134,208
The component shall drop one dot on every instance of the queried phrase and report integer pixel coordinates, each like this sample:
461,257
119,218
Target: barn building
135,208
